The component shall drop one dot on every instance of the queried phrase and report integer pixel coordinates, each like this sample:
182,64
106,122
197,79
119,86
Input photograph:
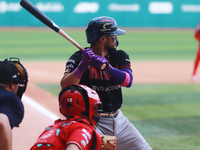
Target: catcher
13,82
81,106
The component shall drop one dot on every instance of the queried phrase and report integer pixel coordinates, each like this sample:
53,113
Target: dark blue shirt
12,106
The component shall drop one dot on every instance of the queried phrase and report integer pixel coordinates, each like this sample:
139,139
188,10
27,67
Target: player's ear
11,87
103,39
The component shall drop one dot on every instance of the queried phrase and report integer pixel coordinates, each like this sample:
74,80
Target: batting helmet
80,100
101,26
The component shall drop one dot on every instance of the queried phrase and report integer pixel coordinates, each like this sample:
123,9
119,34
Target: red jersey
197,36
197,32
63,132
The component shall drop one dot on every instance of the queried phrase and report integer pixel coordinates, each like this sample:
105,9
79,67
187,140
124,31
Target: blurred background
128,13
154,29
163,102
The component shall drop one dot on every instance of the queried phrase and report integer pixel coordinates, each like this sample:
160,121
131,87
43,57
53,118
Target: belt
110,114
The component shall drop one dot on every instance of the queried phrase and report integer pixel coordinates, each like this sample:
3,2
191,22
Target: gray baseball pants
128,137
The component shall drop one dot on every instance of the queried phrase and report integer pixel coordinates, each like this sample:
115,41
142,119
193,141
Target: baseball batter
84,68
197,59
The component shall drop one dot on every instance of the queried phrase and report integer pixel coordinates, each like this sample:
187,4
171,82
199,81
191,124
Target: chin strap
117,43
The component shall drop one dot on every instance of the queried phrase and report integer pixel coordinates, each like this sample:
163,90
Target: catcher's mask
101,26
12,71
22,76
80,100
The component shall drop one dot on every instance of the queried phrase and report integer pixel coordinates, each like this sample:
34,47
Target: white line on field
39,107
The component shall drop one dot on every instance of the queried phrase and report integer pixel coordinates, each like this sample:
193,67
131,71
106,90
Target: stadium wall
128,13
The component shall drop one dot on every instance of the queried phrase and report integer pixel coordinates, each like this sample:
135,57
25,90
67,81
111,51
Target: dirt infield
164,72
143,72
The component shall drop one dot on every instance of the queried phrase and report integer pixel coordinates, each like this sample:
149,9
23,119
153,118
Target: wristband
122,77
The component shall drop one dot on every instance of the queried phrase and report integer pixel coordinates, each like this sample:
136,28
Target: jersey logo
105,89
70,66
106,27
83,142
86,136
98,74
48,134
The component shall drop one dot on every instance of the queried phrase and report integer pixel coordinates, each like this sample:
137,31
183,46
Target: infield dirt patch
143,72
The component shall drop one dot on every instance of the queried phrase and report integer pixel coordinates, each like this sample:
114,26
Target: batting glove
98,61
87,56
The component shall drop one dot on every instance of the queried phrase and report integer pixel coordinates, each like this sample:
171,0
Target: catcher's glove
108,142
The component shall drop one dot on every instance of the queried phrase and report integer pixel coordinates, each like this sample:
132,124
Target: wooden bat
47,21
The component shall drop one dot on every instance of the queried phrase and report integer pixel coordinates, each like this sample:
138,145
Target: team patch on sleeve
67,70
69,66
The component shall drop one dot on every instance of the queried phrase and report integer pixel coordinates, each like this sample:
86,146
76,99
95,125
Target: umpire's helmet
80,100
101,26
12,71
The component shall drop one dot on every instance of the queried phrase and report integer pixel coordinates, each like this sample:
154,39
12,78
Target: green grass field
167,115
45,44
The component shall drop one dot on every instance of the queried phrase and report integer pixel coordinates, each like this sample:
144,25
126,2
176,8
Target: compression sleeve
78,72
122,76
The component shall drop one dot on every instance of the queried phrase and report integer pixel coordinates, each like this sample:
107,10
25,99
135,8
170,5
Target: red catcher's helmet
80,100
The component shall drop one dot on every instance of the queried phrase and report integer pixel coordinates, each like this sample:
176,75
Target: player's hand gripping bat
47,21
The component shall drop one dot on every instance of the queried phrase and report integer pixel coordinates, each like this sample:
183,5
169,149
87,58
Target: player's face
111,42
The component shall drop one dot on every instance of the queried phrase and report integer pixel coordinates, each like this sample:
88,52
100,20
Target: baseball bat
47,21
26,4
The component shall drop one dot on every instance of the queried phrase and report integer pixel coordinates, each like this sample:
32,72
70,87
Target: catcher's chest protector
60,134
50,139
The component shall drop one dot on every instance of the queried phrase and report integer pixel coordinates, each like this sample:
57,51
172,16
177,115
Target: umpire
13,82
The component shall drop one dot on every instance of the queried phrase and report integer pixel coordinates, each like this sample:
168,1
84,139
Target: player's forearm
75,76
69,79
122,77
72,147
6,133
